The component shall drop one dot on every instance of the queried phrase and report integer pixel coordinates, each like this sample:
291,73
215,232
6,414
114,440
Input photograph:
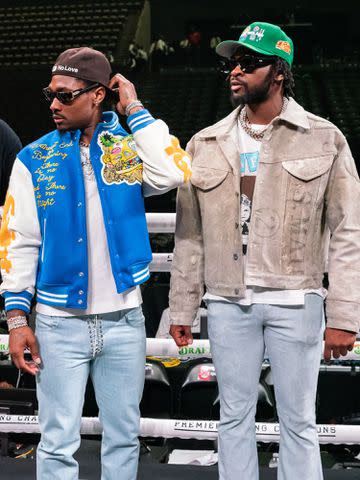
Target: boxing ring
185,429
188,429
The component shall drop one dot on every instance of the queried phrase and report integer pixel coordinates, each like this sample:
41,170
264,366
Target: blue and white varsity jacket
43,244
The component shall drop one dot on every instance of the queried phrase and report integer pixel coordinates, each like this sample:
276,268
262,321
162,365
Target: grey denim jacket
305,218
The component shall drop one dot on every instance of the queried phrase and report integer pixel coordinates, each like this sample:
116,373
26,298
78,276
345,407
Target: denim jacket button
236,256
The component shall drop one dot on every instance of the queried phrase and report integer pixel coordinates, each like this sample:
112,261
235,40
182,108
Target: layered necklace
246,125
86,162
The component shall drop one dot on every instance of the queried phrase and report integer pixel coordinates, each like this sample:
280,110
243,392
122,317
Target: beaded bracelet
16,322
132,105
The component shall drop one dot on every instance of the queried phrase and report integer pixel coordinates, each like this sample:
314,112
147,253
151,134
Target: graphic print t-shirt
249,149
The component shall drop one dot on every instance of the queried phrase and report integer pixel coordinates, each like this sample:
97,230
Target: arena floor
26,471
149,468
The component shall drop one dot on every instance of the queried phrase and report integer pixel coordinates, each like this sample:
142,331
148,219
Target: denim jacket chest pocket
306,179
305,183
216,197
210,167
206,179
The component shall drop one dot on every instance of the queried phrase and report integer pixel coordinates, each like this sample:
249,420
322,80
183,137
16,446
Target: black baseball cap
84,63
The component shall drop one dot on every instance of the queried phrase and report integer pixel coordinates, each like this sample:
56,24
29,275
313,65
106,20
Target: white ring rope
161,262
166,347
186,429
161,222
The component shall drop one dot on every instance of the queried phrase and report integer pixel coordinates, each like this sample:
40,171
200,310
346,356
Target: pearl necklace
246,125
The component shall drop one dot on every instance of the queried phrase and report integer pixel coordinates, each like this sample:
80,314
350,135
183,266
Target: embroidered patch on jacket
120,159
7,236
48,158
181,158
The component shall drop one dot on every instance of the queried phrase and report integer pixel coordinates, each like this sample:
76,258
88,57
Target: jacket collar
221,131
221,128
294,114
109,121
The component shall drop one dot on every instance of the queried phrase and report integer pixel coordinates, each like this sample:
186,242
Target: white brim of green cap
227,48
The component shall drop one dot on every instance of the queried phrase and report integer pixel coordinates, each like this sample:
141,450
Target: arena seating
34,34
342,93
199,392
157,399
187,100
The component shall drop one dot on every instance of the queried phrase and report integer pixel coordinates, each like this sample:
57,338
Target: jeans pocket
135,317
314,318
46,322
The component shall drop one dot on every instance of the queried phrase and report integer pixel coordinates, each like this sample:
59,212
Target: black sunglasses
67,97
247,63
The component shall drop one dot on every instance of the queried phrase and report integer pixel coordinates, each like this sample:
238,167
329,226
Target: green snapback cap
262,37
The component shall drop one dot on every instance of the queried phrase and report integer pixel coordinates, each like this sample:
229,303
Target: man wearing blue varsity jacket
74,235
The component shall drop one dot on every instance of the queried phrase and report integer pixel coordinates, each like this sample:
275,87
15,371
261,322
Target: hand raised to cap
126,91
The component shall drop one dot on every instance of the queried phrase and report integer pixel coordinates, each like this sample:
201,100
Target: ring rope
161,222
186,429
166,347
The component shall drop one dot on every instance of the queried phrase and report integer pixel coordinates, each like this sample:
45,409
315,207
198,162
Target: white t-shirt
102,294
249,150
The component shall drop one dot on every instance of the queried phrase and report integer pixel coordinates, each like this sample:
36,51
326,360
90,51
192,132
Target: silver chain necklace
246,125
86,162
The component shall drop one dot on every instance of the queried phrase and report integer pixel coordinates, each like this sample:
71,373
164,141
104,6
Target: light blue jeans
111,348
293,338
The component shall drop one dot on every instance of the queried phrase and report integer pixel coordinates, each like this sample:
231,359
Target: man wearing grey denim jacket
261,249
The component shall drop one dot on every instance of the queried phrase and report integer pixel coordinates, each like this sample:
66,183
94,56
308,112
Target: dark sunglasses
247,63
67,97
